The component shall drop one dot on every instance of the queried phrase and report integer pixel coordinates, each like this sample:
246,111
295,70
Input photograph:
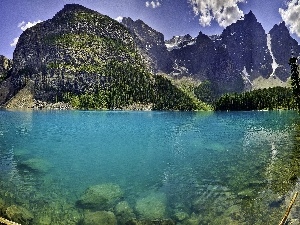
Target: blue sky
170,17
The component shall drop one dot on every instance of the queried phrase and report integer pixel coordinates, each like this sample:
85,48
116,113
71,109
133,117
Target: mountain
243,57
69,50
91,60
80,55
230,61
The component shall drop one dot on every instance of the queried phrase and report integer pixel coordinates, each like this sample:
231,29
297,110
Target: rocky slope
151,44
5,66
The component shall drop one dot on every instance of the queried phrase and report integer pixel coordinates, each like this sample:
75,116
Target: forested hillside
262,99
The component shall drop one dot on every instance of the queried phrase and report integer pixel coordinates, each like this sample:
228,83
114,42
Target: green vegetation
295,80
83,52
262,99
170,97
200,92
204,92
127,85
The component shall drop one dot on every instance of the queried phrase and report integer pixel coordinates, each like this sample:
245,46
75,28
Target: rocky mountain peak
143,31
202,38
73,8
250,17
280,29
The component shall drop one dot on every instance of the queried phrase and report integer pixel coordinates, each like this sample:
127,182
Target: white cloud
153,4
119,19
225,12
291,16
23,26
14,43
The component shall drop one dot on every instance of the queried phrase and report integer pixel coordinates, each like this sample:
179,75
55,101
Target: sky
170,17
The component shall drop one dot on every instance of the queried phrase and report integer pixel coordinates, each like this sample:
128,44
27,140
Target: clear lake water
205,167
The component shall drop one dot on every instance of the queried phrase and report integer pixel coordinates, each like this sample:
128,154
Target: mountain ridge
75,51
244,50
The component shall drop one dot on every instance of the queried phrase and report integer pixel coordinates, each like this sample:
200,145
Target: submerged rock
152,207
19,214
100,197
99,217
36,165
247,193
124,212
44,220
193,220
180,216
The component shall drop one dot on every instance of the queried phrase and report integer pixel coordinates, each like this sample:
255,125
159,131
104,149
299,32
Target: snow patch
178,42
246,76
274,63
170,47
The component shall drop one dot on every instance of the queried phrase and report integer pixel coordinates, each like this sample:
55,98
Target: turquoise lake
198,167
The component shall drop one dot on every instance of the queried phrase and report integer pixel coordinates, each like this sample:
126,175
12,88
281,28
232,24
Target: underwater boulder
36,165
180,215
124,212
19,214
99,217
100,197
152,206
44,220
2,207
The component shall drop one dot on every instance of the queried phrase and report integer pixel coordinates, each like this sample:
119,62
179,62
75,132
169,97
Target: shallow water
214,168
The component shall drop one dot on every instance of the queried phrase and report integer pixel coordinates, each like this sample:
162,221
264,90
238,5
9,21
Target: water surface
213,168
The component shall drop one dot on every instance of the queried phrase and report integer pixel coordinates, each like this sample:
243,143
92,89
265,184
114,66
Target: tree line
261,99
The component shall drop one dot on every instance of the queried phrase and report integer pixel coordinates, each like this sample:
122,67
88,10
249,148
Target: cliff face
282,45
151,45
246,42
5,66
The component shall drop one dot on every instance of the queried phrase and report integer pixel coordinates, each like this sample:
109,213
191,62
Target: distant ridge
237,60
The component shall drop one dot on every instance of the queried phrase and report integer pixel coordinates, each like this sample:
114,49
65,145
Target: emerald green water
209,168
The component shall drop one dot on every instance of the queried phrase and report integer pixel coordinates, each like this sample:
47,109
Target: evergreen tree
261,99
295,80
